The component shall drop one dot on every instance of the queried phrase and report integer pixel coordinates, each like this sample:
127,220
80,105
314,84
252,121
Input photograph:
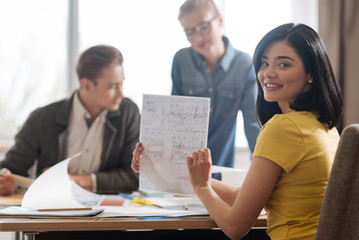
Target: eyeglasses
203,29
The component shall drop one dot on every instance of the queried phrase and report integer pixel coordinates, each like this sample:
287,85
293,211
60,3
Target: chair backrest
339,217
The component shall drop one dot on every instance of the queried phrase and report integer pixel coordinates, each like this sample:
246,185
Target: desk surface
108,224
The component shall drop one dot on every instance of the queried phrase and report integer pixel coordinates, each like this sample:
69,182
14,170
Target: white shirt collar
79,111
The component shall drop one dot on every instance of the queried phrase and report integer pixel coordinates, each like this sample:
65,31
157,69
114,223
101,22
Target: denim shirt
231,88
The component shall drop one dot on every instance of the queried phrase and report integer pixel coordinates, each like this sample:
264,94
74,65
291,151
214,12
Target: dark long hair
324,97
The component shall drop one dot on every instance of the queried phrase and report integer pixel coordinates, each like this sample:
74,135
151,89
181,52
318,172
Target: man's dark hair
94,59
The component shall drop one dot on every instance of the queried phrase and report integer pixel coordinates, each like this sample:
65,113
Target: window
146,32
32,59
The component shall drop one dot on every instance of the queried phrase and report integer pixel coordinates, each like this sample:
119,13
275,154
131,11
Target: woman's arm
225,191
236,220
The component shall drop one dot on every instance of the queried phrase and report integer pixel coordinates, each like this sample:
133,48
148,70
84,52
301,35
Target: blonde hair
190,5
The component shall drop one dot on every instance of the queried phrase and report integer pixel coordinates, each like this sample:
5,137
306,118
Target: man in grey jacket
97,120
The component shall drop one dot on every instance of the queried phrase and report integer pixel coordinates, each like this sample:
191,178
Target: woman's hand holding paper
199,167
136,157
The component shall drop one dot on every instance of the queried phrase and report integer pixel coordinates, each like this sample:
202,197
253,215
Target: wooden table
92,227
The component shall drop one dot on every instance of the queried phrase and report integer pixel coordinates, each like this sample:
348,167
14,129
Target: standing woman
299,104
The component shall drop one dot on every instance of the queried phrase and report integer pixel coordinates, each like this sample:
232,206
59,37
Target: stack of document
53,194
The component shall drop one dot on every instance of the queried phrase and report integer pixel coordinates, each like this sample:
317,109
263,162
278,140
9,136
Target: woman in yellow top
299,104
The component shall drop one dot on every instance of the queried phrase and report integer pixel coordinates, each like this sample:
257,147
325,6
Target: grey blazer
43,139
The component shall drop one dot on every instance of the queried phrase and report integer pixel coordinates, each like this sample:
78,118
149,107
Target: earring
310,81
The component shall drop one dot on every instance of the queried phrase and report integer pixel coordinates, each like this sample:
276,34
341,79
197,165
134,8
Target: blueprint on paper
172,128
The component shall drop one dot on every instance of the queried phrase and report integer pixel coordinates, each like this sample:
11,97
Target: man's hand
7,182
85,181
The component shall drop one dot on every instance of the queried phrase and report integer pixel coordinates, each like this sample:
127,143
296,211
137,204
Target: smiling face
282,75
106,93
206,42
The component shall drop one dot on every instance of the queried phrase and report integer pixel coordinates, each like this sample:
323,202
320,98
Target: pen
3,172
62,209
19,180
155,218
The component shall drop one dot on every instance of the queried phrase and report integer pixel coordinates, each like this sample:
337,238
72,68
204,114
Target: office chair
339,217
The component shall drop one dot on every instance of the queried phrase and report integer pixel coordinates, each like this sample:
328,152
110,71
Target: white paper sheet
172,128
52,189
